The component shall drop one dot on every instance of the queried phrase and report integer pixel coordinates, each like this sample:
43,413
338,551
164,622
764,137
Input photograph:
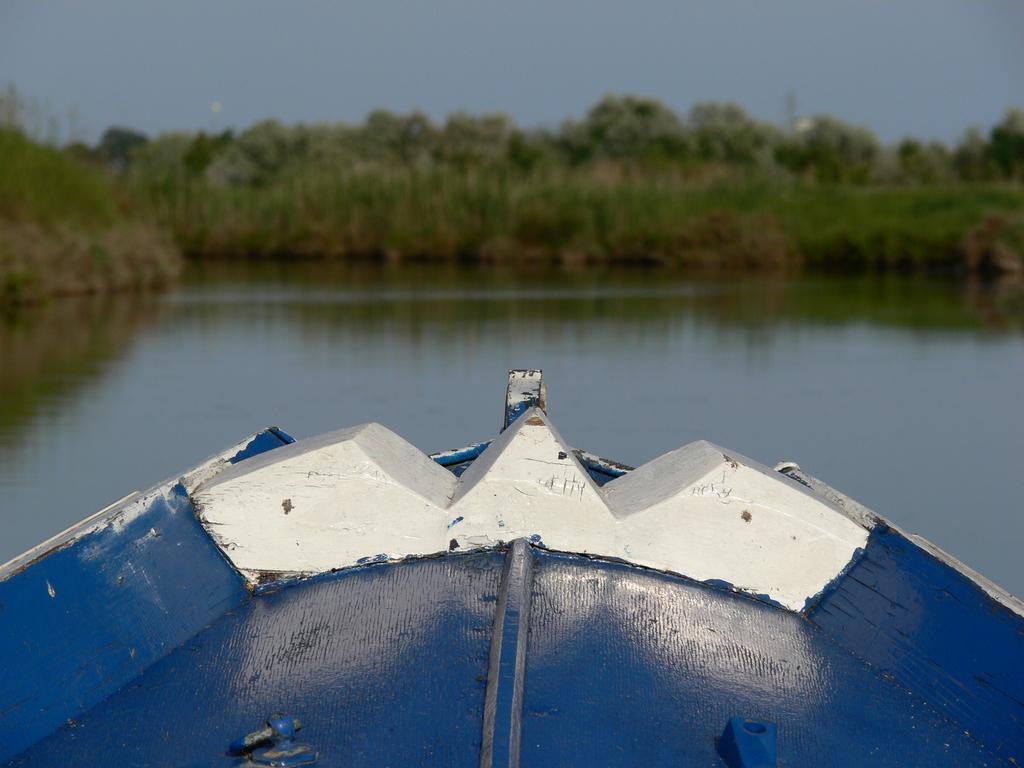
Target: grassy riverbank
64,229
582,217
630,183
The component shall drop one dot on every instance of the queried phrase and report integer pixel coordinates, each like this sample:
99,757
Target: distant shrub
203,151
231,167
830,150
409,139
65,227
467,140
724,133
1007,144
43,184
269,146
117,144
923,163
972,160
618,136
626,128
161,162
531,150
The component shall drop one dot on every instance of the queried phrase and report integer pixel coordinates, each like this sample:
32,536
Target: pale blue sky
923,67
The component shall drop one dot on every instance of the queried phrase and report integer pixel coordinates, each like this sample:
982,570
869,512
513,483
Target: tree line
625,133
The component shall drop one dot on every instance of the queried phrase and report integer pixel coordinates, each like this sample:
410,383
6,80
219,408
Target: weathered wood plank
931,629
88,610
365,494
525,390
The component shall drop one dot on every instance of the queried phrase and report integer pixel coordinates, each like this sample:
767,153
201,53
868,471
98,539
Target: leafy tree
161,162
830,150
467,140
268,146
725,133
117,144
203,151
627,128
232,168
922,162
530,150
1006,144
972,160
408,139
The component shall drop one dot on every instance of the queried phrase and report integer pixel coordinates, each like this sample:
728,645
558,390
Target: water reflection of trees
48,353
450,298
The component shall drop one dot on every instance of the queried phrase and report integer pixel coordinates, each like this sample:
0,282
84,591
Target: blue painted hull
136,643
389,664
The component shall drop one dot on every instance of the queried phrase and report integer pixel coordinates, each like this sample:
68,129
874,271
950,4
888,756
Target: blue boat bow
516,602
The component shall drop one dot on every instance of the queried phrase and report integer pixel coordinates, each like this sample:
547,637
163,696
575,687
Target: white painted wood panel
328,502
365,494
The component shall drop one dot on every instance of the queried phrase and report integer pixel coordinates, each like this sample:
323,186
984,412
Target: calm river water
904,393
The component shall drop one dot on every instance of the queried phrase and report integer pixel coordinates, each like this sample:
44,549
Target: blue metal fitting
274,744
748,744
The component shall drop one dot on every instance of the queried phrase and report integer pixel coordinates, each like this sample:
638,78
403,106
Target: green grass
42,184
68,226
901,227
499,215
65,229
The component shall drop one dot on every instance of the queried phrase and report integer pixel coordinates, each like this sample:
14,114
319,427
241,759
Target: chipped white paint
600,462
529,483
729,518
365,493
441,456
868,519
328,502
214,465
124,510
523,386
